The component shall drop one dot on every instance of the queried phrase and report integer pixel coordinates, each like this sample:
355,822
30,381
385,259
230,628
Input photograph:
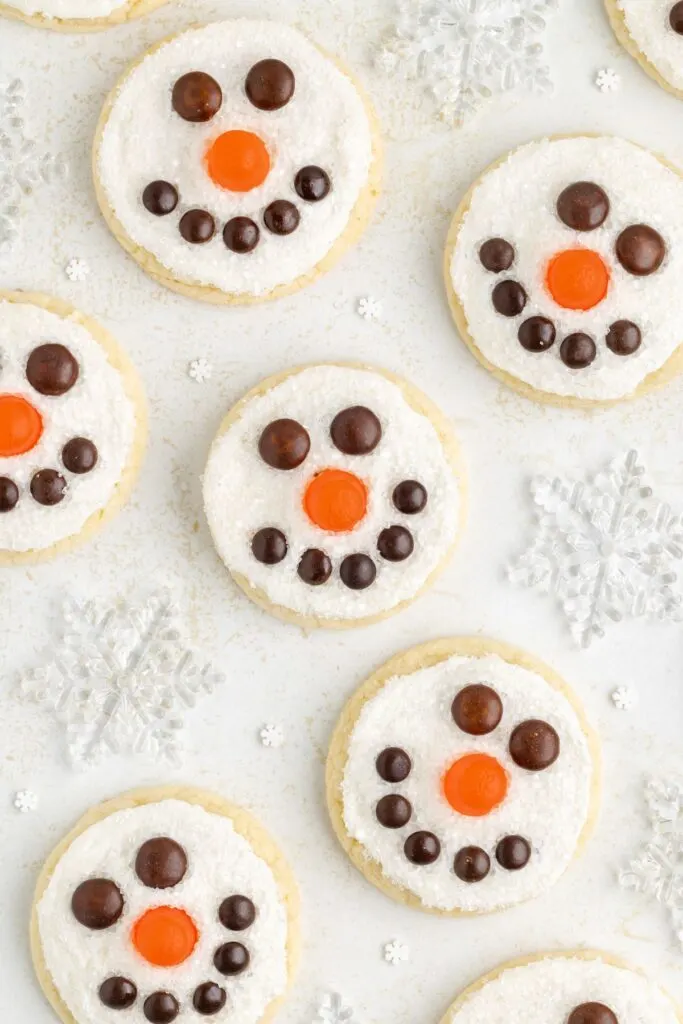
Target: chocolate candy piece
534,745
161,1008
676,17
51,369
592,1013
208,998
97,903
472,864
640,250
197,226
497,255
624,338
79,455
314,568
281,217
536,334
241,235
161,863
578,351
284,444
583,206
509,298
357,572
231,958
393,765
409,497
269,546
270,84
312,183
237,913
422,848
160,198
477,709
196,97
393,811
356,431
118,993
395,543
9,494
48,487
513,853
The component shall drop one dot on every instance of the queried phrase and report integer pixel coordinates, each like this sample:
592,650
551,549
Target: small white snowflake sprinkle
25,800
272,735
77,270
200,370
333,1011
386,60
623,698
369,308
396,952
607,80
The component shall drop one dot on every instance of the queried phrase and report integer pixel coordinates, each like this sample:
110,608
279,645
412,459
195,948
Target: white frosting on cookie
547,991
648,24
517,201
547,808
97,407
68,8
243,494
221,863
325,124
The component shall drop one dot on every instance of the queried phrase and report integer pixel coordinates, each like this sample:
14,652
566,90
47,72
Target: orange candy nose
20,425
335,500
238,161
475,785
577,278
165,936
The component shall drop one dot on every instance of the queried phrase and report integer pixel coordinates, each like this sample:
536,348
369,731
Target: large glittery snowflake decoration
657,869
121,680
606,548
465,51
23,164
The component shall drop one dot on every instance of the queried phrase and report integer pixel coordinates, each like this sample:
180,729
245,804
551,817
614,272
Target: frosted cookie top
85,9
166,911
468,782
567,266
235,154
67,427
331,494
565,990
656,27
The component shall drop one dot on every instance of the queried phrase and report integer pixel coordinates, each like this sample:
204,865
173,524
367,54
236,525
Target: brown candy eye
422,848
161,863
409,497
496,255
79,455
356,431
270,84
592,1013
118,993
48,487
395,544
509,298
513,853
315,568
312,184
357,572
284,444
578,351
160,198
197,226
237,913
624,338
51,369
537,334
393,811
640,250
281,217
477,710
161,1008
241,235
209,999
472,864
196,97
676,17
231,958
583,206
534,745
97,903
9,494
269,546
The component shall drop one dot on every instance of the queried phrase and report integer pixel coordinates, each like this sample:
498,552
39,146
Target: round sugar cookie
77,15
652,32
236,162
562,270
335,494
573,987
166,903
462,777
73,427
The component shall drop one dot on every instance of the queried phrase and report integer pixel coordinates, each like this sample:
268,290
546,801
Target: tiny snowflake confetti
25,800
200,370
396,952
657,869
272,735
607,80
465,51
333,1011
121,680
606,548
77,270
623,698
369,308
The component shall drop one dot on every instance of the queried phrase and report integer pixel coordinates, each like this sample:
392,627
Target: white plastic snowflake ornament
657,870
200,370
25,800
467,50
333,1011
77,269
272,735
606,548
396,952
369,308
121,680
623,698
607,80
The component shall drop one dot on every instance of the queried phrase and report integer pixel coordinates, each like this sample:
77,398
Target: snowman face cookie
332,494
165,910
465,785
580,988
653,33
77,15
236,156
563,268
71,425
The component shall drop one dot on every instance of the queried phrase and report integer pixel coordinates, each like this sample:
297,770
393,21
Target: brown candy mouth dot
160,198
117,993
471,864
269,546
422,848
393,764
270,84
592,1013
241,235
393,811
509,298
477,709
583,206
676,17
48,487
9,494
196,97
537,334
513,853
578,351
197,227
281,217
315,568
358,572
79,455
409,497
209,998
161,1008
312,184
496,255
237,913
624,338
231,958
395,544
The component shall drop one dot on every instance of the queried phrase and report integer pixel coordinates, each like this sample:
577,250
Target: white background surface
274,672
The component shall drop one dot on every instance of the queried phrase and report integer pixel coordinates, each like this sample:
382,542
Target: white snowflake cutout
396,952
77,269
606,548
200,370
272,735
623,698
333,1011
369,308
25,800
607,80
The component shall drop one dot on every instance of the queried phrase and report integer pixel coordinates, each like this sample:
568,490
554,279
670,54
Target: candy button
640,250
97,903
197,226
475,785
269,546
477,709
393,764
472,864
160,198
118,993
422,848
592,1013
509,298
676,17
231,958
578,351
238,161
21,425
161,863
241,235
409,497
357,572
624,338
237,913
165,936
79,455
577,279
281,217
496,255
583,206
537,334
534,745
393,811
9,494
209,998
513,853
315,568
51,369
48,487
196,97
284,444
335,500
312,183
270,84
161,1008
356,431
395,544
